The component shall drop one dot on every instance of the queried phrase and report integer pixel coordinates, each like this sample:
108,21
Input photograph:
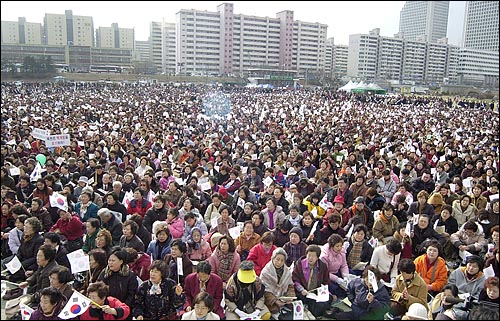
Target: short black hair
406,265
204,267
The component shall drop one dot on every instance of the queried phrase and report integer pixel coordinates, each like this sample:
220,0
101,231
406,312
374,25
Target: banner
298,310
58,140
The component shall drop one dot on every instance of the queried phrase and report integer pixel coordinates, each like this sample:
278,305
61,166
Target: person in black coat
54,240
112,224
117,275
421,232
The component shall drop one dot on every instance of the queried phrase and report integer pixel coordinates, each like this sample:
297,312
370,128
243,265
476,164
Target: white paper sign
234,232
268,181
58,140
40,133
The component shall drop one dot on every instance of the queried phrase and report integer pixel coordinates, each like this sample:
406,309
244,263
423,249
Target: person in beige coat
469,238
409,288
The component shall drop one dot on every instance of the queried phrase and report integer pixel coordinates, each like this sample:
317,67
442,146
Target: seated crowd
238,221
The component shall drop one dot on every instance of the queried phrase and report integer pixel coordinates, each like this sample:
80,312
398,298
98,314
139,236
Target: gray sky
342,17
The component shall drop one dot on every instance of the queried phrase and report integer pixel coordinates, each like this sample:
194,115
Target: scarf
354,256
155,289
275,284
225,261
27,238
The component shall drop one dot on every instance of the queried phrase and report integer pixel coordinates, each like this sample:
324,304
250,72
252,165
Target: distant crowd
220,202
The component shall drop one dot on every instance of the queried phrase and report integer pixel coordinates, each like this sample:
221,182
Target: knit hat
297,230
279,250
339,199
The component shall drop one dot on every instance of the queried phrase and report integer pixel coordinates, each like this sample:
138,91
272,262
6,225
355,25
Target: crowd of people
185,213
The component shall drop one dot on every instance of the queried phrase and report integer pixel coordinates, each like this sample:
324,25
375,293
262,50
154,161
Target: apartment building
115,37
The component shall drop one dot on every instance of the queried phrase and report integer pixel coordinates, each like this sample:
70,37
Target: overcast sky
342,17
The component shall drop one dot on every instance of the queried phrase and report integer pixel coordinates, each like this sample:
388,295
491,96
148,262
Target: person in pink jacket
197,248
175,223
261,253
334,256
225,261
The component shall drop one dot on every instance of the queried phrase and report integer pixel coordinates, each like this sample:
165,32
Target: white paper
213,221
488,271
14,265
241,202
268,181
373,281
234,232
14,171
180,271
205,186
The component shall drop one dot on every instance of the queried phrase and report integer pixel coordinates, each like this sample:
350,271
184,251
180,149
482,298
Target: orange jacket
439,271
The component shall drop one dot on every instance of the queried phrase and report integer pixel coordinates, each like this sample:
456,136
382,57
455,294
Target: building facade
222,42
114,37
424,18
372,57
481,25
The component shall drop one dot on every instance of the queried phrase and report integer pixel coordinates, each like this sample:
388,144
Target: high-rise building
373,57
222,42
21,32
424,18
329,52
481,25
340,56
114,37
67,29
163,45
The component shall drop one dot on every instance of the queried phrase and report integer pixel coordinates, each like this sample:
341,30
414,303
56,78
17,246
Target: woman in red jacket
108,308
261,253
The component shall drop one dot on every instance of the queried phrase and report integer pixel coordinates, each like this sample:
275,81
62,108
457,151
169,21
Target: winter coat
141,266
214,287
122,310
334,261
460,215
357,292
474,243
27,252
473,287
417,291
153,215
176,227
259,257
153,249
122,285
302,272
384,227
134,243
157,306
435,275
115,227
278,216
91,211
72,229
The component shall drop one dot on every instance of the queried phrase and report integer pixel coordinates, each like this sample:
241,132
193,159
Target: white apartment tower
424,18
481,25
340,56
223,42
163,43
67,29
21,32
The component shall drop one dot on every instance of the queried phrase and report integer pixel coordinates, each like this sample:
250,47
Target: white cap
417,311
